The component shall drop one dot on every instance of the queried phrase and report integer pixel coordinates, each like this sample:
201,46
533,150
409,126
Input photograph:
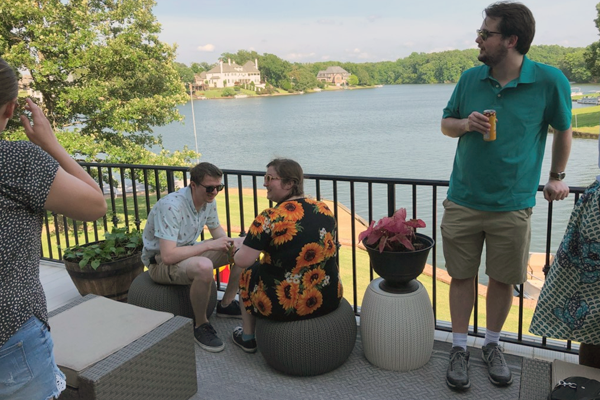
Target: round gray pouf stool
144,292
308,347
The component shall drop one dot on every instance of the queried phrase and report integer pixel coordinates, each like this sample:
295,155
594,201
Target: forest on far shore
419,68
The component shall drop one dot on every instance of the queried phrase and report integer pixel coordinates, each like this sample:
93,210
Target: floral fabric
569,305
297,276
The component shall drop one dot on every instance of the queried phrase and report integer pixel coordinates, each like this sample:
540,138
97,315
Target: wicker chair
308,347
144,292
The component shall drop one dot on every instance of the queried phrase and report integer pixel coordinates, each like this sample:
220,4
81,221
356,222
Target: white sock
459,339
491,337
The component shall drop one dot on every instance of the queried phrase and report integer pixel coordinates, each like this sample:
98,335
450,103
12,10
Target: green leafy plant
116,245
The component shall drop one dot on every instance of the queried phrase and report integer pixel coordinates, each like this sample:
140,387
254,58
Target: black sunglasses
484,34
211,188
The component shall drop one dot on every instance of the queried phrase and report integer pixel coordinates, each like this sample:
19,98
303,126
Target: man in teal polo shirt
494,183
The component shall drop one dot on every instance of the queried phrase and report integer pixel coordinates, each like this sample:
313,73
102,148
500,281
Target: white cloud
207,48
373,18
299,56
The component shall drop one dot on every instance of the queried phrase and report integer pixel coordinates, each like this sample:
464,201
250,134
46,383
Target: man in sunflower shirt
174,257
297,276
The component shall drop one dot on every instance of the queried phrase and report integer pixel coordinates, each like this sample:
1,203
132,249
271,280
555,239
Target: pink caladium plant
393,233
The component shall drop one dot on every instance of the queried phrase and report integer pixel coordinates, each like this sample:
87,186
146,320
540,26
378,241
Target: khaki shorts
507,235
175,274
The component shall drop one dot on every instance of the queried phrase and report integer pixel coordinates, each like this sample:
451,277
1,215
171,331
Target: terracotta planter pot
110,280
399,268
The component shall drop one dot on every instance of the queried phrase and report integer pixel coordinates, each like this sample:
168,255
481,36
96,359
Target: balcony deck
233,374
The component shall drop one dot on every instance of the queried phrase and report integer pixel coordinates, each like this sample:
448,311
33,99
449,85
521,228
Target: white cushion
97,328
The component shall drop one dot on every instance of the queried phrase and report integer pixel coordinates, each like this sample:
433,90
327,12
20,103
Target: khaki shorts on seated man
174,256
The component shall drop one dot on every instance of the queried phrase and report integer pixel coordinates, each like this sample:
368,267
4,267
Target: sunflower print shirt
297,276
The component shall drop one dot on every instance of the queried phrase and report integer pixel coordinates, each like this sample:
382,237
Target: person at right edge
569,304
494,183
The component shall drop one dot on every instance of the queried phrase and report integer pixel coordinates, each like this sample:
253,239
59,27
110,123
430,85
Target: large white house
229,75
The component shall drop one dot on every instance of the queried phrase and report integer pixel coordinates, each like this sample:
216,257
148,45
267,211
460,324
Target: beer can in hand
491,134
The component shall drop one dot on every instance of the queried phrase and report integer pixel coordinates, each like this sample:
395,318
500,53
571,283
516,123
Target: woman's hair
290,172
9,87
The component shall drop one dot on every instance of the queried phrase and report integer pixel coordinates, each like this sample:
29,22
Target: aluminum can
491,135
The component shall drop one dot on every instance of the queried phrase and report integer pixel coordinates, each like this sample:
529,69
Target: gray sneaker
457,375
498,371
206,337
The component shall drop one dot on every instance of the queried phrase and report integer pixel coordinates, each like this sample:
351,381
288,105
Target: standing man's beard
491,60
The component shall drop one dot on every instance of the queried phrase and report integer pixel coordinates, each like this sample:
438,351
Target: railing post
391,196
170,181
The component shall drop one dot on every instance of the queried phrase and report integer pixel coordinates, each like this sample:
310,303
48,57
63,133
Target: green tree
200,67
99,65
303,78
273,69
574,68
592,52
241,57
186,74
353,80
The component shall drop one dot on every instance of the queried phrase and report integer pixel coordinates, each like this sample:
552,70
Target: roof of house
250,67
233,67
334,70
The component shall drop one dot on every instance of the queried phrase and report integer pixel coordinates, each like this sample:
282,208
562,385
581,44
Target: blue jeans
27,367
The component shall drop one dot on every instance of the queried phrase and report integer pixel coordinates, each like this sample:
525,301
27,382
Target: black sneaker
206,337
231,311
457,375
249,346
498,371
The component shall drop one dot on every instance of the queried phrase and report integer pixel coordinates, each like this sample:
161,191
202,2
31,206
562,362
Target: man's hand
477,122
223,243
555,190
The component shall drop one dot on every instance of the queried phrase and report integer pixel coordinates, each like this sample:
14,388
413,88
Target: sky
350,30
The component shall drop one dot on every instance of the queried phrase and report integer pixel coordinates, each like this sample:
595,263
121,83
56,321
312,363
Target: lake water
393,131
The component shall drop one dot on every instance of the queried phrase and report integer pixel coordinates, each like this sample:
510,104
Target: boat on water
576,91
589,100
535,275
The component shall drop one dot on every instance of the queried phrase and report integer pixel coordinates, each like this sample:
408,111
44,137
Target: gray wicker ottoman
159,365
309,347
144,292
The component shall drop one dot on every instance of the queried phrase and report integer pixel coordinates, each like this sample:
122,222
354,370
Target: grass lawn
216,93
589,118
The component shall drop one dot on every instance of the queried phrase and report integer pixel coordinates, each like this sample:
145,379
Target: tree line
417,68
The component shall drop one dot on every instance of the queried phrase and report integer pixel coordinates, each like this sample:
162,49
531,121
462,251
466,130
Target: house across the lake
336,75
228,75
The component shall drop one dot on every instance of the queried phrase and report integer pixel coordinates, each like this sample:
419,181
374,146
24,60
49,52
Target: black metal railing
131,190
